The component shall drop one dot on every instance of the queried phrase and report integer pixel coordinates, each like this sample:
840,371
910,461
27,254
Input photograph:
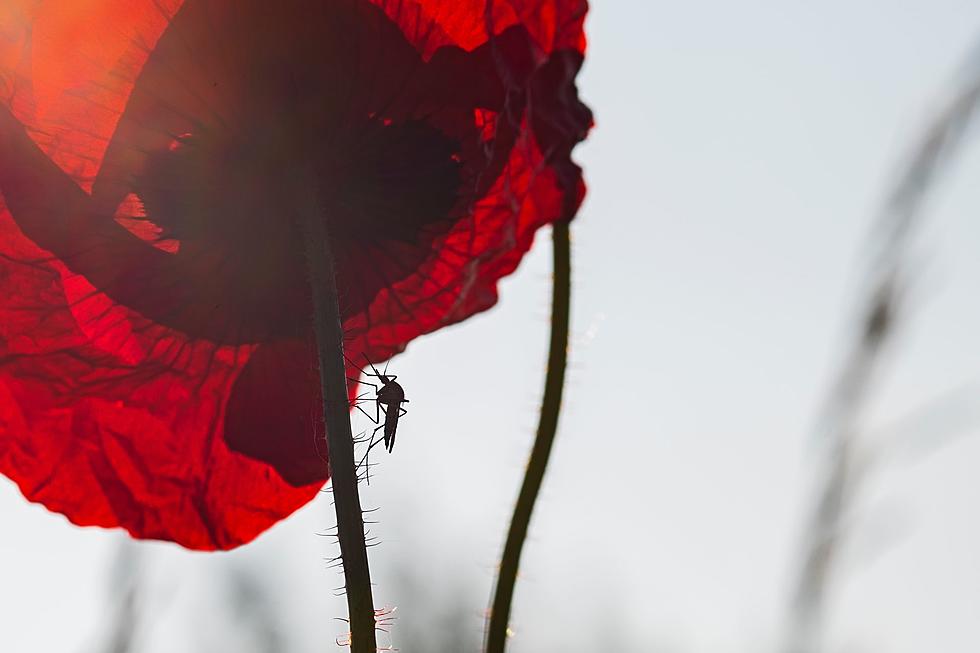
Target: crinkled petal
119,409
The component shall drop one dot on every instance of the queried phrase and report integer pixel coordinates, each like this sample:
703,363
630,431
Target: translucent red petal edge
115,421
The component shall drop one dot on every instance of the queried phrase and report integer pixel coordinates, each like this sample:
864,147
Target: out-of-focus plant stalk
125,590
336,417
499,616
897,223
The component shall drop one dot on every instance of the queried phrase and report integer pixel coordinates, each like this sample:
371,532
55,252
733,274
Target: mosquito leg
367,414
380,426
370,446
364,459
359,398
373,385
359,438
377,412
359,368
367,470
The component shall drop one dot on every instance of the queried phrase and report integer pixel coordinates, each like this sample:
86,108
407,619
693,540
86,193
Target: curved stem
336,418
499,617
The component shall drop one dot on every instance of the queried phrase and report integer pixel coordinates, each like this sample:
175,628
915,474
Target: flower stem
336,418
497,628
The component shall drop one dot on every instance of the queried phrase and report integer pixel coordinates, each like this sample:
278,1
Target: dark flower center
395,182
214,139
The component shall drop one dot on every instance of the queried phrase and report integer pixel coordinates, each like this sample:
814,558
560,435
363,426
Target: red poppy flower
156,367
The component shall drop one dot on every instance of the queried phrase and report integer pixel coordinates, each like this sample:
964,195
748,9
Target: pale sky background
741,152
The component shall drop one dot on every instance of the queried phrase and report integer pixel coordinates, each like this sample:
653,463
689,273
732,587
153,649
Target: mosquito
391,395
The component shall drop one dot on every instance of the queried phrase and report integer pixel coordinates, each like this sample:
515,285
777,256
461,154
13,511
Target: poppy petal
156,368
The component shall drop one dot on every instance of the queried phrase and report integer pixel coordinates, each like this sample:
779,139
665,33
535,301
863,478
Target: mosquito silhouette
390,395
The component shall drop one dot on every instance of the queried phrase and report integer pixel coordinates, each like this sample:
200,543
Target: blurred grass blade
901,215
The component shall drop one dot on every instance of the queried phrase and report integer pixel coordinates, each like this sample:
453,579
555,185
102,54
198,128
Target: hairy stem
336,417
499,617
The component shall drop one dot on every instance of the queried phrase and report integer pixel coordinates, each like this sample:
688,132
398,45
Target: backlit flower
156,366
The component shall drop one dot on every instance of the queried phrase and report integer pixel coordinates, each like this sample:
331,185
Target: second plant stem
497,628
